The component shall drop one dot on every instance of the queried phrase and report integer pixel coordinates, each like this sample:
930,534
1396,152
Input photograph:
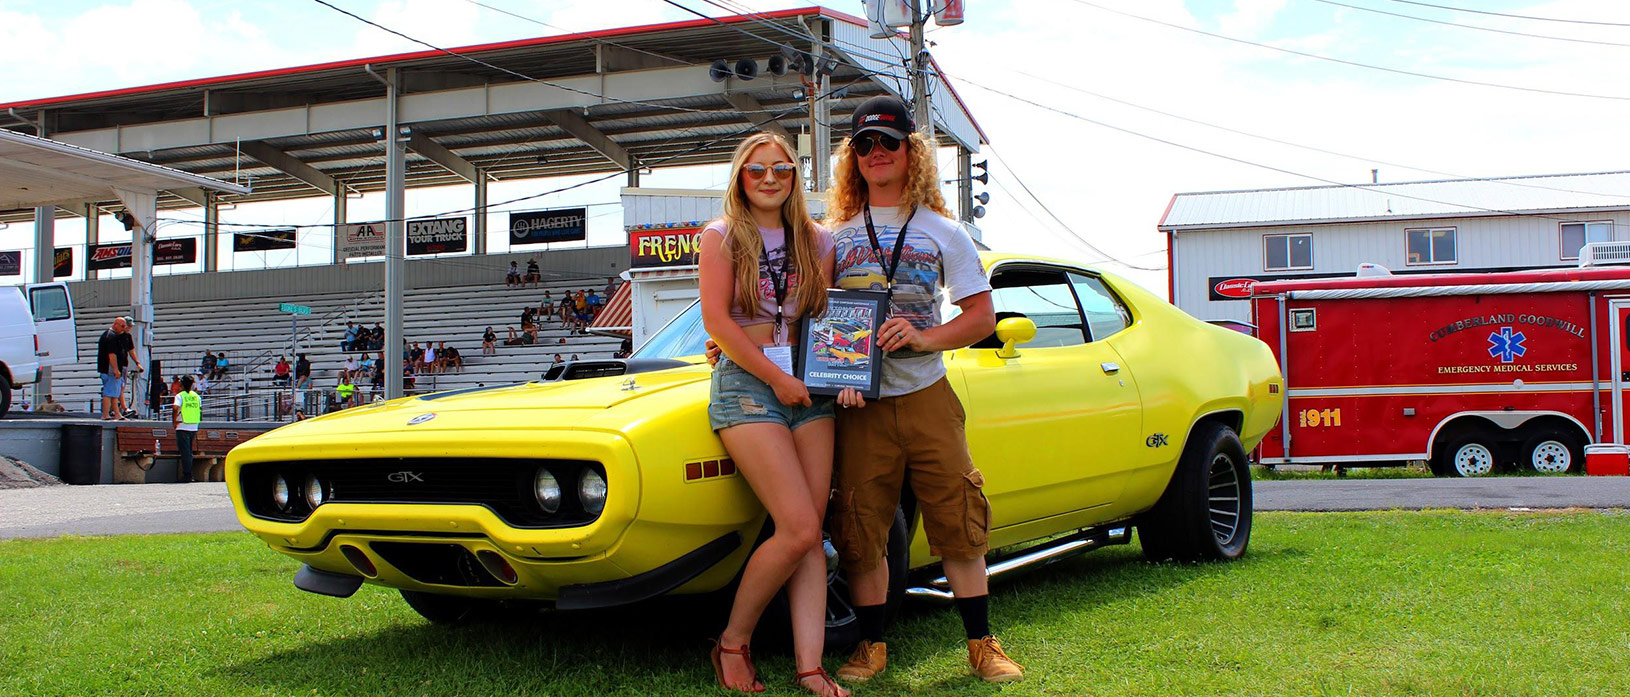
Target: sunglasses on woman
783,170
863,144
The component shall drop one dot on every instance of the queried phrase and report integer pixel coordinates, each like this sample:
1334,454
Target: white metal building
1220,242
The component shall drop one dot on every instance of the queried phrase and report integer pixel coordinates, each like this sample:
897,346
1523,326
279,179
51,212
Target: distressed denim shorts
740,398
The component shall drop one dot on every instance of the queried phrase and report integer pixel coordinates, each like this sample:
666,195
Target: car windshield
684,335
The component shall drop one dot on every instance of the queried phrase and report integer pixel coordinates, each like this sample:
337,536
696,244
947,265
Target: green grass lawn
1439,603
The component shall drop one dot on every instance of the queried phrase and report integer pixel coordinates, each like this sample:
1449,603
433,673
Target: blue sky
1110,187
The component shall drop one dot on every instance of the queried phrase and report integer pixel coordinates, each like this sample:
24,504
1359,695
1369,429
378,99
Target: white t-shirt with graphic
937,260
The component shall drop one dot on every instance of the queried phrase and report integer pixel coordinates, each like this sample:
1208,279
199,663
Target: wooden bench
135,445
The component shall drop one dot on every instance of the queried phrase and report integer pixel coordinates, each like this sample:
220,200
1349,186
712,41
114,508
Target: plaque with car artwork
839,349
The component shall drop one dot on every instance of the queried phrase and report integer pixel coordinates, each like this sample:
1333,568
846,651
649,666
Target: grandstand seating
253,333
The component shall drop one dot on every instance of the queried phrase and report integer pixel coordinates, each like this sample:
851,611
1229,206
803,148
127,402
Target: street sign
296,309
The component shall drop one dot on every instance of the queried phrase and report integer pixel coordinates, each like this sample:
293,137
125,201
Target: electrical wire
1078,236
1467,26
1511,16
597,40
1356,64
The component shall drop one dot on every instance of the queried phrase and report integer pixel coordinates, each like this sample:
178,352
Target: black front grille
440,564
503,485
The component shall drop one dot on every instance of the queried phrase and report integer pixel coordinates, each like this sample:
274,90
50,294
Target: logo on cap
878,117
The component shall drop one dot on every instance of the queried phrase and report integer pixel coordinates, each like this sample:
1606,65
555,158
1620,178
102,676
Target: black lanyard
779,281
893,265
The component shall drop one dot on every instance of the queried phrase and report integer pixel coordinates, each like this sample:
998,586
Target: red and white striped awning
617,319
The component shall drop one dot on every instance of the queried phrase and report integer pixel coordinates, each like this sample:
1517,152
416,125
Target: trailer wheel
1469,456
1553,451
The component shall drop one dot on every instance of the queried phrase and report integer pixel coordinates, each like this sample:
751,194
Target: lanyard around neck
893,265
779,282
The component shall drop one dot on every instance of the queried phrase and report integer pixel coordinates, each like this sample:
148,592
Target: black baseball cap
885,114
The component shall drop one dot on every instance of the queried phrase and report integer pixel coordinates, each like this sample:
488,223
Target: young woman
762,266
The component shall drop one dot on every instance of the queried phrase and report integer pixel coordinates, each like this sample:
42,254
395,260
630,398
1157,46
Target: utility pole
923,112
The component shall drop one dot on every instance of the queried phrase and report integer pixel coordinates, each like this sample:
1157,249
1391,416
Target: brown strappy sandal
718,665
834,687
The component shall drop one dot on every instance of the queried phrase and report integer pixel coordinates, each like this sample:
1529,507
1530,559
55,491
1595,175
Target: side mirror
1012,332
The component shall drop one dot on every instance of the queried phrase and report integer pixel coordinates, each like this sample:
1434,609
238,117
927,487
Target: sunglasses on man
863,143
783,170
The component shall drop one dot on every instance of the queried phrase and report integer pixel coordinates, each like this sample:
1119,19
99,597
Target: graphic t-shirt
937,260
772,256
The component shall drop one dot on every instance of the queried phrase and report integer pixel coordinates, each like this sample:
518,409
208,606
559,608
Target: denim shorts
112,386
740,398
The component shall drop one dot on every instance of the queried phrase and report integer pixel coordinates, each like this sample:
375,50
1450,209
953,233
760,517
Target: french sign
263,240
678,247
437,236
537,227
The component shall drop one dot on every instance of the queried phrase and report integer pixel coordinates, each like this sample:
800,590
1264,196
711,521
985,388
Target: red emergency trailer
1470,372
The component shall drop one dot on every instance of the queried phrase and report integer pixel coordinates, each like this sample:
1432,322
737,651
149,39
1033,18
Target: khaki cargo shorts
914,439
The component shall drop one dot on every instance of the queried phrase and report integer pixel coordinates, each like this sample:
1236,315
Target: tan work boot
869,660
991,663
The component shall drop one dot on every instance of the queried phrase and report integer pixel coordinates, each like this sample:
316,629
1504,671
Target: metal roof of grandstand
511,110
42,172
1447,198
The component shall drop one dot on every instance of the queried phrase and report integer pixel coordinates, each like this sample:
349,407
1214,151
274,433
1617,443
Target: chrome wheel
838,610
1224,498
1473,460
1551,457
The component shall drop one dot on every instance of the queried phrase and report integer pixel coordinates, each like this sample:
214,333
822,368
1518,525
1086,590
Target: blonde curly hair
922,189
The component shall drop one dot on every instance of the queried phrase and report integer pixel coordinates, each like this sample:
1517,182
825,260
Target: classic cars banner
676,247
537,227
437,236
263,240
359,240
183,250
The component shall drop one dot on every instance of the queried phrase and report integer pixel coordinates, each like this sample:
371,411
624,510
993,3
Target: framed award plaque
838,349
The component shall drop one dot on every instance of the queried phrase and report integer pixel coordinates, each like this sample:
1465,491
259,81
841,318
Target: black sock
871,618
975,615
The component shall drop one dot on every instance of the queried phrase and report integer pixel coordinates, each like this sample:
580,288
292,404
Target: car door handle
1109,368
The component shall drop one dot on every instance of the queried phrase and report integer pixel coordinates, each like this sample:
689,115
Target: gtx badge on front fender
1157,440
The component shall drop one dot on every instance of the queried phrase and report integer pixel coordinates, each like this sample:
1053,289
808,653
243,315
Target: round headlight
547,489
314,491
591,490
280,493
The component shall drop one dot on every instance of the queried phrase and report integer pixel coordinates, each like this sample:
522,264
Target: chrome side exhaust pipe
939,589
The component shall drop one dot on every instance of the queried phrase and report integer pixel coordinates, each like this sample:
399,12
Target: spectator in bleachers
350,367
557,360
223,366
365,367
532,275
514,277
625,350
489,342
527,317
546,307
431,363
594,303
202,385
347,392
415,357
574,357
280,372
450,360
408,381
378,376
350,341
206,367
523,339
175,385
302,372
611,285
379,338
565,309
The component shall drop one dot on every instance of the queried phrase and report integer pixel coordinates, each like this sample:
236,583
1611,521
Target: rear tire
450,609
1553,451
1205,513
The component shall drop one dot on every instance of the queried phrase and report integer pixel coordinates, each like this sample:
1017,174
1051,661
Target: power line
1512,16
1470,26
597,40
1060,221
1356,64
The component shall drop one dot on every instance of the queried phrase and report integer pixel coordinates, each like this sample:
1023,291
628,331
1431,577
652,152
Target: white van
36,331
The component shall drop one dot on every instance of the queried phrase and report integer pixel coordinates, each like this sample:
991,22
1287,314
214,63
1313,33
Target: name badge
781,356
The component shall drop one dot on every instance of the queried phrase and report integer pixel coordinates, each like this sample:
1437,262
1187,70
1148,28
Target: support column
964,184
923,113
144,206
820,114
93,234
212,232
478,231
45,263
634,177
340,220
395,237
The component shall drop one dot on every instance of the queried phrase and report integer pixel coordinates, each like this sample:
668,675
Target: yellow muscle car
1095,408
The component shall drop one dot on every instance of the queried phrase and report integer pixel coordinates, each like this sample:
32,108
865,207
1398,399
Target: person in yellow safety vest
346,390
188,411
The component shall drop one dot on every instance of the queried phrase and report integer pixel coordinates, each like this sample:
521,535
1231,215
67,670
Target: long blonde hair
744,241
922,189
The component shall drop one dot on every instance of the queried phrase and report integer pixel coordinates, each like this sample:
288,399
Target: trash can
81,454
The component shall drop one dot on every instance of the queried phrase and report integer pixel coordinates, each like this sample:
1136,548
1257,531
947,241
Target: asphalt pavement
118,509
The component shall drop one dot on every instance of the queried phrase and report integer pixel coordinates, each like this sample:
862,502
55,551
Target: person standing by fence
185,417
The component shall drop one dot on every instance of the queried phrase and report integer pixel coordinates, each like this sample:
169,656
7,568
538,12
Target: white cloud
1250,17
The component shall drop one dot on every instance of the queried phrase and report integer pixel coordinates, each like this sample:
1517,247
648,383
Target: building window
1431,245
1576,235
1286,252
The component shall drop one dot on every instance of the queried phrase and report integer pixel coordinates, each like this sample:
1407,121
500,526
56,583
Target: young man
187,413
891,222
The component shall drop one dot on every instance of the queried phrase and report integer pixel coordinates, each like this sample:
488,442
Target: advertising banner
11,263
182,250
676,247
65,262
108,256
537,227
263,240
437,236
359,240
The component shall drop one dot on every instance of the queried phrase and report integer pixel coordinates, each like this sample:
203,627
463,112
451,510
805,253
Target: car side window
50,302
1106,315
1043,296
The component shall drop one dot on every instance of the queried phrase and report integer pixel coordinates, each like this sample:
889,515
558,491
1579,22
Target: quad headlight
591,491
315,494
280,493
547,489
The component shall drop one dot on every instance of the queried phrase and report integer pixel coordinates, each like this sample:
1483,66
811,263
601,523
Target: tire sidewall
1179,525
1575,446
1454,447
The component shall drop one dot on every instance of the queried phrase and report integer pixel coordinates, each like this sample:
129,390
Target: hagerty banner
537,227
